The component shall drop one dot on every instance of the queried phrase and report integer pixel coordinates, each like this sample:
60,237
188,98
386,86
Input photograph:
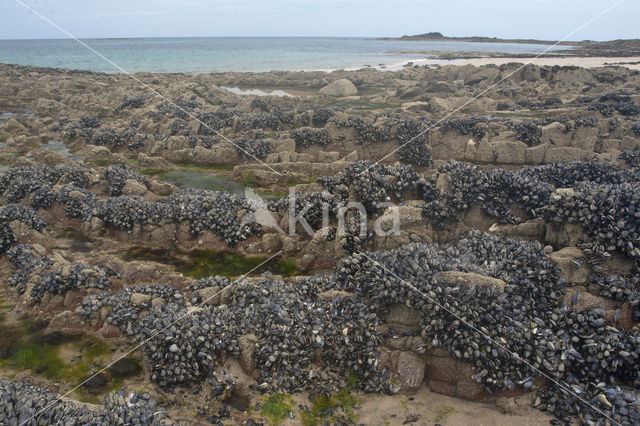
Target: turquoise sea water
220,54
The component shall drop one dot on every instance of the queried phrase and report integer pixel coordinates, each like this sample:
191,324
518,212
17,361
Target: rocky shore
438,242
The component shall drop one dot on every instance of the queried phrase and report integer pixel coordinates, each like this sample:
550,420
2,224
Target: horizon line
376,37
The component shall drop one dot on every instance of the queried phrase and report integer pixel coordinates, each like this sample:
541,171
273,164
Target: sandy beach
632,62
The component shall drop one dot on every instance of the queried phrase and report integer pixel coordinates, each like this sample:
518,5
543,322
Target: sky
539,19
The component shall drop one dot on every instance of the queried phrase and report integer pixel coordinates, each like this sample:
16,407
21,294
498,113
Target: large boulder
487,73
509,152
342,87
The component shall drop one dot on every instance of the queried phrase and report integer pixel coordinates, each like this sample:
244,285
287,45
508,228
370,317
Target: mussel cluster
178,108
26,261
609,213
23,214
117,175
214,121
16,183
202,140
321,116
365,131
581,122
71,277
485,325
252,148
414,148
27,404
135,102
465,126
280,327
203,210
113,138
178,126
531,187
527,132
608,109
372,183
631,157
265,120
307,136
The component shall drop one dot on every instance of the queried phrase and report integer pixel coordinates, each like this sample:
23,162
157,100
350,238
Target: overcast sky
541,19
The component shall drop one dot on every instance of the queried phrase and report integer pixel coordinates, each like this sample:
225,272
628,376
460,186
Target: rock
247,345
563,235
485,73
446,369
531,230
44,107
125,367
567,154
53,338
95,383
469,389
564,261
328,156
342,87
417,106
518,406
442,388
536,154
271,242
133,187
351,157
586,300
468,279
108,331
215,295
66,320
150,162
410,371
139,299
531,73
403,315
76,195
509,152
330,294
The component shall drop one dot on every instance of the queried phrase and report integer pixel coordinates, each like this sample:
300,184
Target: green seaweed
154,172
205,167
332,409
41,359
443,413
204,263
26,348
248,179
276,408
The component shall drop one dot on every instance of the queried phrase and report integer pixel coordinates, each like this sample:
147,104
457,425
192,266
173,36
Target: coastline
147,176
632,62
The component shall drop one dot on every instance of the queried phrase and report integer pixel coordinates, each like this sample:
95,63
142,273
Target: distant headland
613,48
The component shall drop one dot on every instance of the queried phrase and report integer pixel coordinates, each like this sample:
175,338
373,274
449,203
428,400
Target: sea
197,55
